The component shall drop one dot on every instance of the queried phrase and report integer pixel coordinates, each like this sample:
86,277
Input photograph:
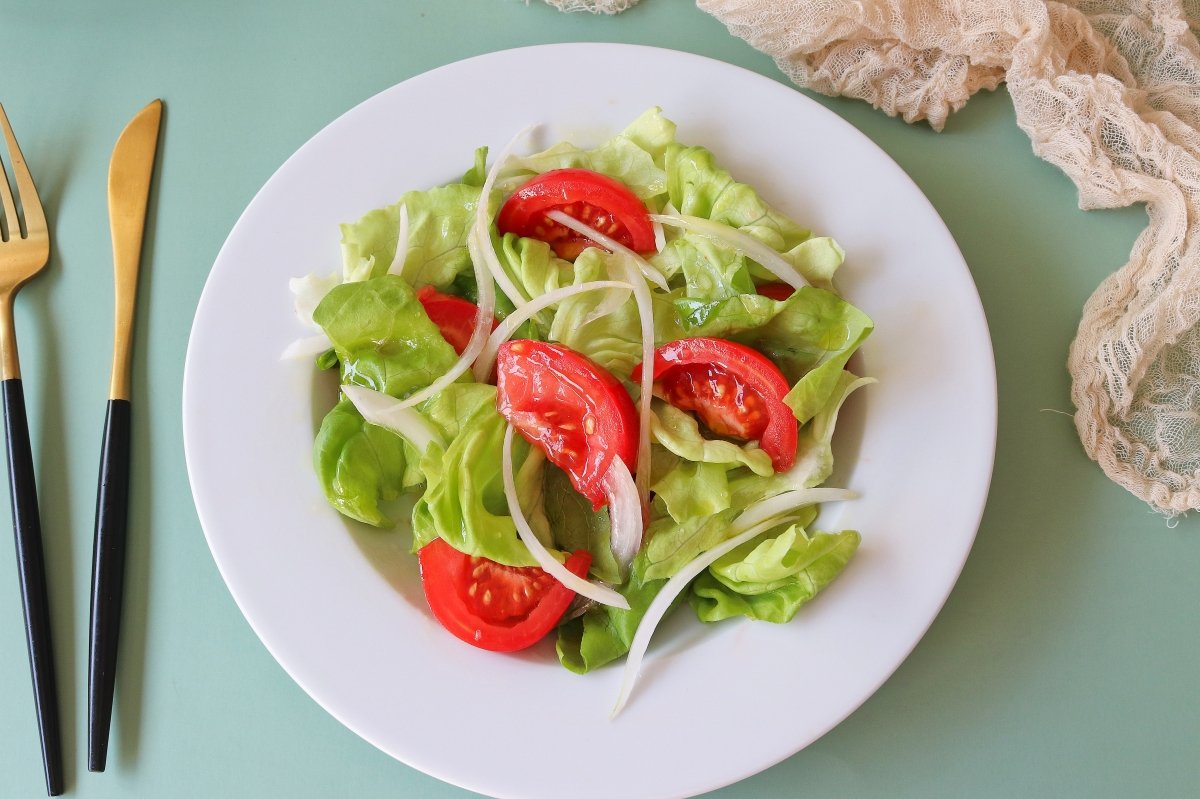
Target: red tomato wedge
490,605
598,201
573,409
735,390
454,316
776,291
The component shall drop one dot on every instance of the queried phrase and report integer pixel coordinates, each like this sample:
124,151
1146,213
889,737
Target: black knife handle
108,577
31,568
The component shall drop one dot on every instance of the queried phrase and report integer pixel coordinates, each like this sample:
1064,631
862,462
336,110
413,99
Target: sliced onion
391,414
744,243
397,267
610,244
612,300
754,521
307,347
486,302
645,306
487,356
482,231
624,513
308,291
660,236
789,500
600,593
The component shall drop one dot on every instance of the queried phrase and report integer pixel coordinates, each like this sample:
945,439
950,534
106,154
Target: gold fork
24,250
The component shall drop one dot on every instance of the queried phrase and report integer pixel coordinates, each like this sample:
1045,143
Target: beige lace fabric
1107,90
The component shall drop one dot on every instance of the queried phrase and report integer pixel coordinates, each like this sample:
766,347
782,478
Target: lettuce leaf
635,157
692,489
464,499
679,433
773,576
383,340
604,633
810,336
438,222
383,337
361,466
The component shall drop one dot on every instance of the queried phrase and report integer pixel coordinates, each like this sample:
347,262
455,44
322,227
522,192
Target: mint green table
1064,663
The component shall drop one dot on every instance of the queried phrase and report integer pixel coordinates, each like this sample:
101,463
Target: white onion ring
397,267
610,244
307,347
389,413
744,243
753,521
487,356
594,591
624,513
482,232
483,325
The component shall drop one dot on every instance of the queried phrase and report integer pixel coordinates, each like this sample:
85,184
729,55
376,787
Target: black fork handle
31,570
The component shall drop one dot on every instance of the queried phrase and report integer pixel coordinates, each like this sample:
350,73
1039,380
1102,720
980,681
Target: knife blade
129,176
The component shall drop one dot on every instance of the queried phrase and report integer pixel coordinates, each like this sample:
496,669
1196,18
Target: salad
610,384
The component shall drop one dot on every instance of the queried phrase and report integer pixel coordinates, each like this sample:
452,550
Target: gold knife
129,175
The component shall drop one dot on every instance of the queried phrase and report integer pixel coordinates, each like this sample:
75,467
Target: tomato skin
775,291
574,410
734,389
600,202
448,575
454,316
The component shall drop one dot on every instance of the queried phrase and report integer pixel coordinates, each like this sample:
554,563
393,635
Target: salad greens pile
379,336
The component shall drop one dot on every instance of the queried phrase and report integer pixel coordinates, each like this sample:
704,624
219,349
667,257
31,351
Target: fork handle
31,568
108,577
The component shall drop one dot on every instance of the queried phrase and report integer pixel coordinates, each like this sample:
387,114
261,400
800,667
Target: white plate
341,607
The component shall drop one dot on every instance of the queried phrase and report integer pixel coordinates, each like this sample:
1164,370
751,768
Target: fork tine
8,209
35,217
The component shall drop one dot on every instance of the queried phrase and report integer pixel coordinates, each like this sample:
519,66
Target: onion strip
397,267
391,414
594,591
754,521
645,305
482,233
624,513
307,347
744,243
486,296
610,244
487,356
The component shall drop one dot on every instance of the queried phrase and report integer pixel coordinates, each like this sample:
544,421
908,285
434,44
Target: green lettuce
810,336
439,220
361,466
635,157
604,633
464,500
691,489
679,433
383,340
614,341
771,577
383,337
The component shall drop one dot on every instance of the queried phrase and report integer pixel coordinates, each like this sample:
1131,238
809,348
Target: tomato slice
579,414
454,316
735,390
490,605
600,202
776,291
